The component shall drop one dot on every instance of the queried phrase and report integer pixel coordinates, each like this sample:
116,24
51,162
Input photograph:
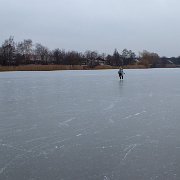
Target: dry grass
135,67
40,67
62,67
103,67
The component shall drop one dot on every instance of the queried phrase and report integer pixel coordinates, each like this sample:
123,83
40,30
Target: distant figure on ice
121,73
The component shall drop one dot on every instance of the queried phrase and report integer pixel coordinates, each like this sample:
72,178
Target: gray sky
94,24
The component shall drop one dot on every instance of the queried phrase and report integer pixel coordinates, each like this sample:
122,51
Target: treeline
26,52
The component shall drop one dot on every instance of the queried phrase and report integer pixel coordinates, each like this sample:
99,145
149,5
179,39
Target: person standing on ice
121,73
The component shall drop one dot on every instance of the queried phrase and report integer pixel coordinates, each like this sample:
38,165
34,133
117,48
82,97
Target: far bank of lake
65,67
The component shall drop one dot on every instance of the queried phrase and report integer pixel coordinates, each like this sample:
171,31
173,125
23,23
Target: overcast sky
101,25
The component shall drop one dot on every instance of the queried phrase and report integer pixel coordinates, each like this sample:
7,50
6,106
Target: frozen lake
89,125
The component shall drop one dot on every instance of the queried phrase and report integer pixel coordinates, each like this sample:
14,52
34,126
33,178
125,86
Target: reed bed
62,67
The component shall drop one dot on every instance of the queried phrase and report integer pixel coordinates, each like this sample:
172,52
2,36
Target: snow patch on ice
104,147
79,135
65,123
129,150
136,114
106,178
111,121
111,106
131,137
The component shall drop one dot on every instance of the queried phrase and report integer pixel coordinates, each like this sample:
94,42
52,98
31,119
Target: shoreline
63,67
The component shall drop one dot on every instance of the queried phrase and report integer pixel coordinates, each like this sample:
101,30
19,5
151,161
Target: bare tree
73,58
128,56
91,56
116,59
24,49
149,59
42,53
58,55
8,51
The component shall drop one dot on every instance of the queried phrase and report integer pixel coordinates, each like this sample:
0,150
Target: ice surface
89,125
